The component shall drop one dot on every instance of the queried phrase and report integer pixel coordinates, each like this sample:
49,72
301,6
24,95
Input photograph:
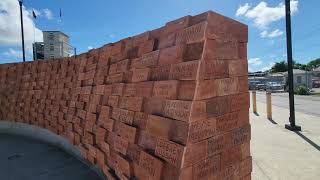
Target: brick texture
171,103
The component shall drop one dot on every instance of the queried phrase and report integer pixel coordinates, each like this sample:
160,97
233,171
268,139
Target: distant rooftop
57,31
296,71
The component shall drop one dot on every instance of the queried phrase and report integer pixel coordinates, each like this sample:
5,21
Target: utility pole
22,34
75,52
292,126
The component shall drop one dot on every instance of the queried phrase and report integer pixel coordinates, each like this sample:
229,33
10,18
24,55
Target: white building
55,45
300,78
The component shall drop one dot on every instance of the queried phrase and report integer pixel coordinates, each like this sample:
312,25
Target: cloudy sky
93,23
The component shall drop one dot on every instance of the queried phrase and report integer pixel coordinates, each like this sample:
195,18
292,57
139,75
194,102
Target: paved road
27,159
304,104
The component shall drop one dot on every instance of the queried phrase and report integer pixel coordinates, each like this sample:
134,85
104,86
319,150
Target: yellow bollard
254,101
269,105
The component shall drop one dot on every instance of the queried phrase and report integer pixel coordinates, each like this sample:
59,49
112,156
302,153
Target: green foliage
282,66
314,64
279,67
302,90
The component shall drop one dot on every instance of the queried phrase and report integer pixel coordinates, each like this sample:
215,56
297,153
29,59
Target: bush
302,90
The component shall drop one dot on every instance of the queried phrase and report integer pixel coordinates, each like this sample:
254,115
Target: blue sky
93,23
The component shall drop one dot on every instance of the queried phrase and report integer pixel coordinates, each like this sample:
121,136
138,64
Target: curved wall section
171,103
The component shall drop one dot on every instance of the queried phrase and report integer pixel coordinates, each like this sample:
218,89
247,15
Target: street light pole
22,34
292,126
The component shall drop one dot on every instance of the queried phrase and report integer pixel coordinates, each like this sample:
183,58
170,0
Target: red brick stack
171,103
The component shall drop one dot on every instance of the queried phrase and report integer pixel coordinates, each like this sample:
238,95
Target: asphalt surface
28,159
304,104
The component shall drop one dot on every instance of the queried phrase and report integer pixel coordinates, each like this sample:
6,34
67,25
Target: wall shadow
308,140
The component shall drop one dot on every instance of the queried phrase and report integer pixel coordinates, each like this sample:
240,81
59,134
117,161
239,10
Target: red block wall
171,103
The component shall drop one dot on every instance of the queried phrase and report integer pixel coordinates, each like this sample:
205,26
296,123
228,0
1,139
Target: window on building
50,36
51,47
52,56
299,79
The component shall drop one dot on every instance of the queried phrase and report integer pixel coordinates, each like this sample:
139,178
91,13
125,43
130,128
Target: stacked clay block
170,103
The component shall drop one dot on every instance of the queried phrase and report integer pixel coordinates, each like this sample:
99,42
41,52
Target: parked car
261,86
253,85
274,86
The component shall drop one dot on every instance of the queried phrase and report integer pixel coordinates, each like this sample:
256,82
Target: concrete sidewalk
282,154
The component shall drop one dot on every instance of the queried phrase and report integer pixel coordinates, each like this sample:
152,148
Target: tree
281,66
314,63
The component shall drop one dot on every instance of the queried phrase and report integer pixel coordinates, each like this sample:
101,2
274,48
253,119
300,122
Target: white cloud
275,33
48,14
112,36
267,67
272,34
264,34
255,61
263,15
10,30
13,53
242,9
90,47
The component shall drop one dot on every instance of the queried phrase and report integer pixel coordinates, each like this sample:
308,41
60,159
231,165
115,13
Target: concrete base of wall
46,136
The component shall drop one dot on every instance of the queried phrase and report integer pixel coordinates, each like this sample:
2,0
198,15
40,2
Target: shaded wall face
171,103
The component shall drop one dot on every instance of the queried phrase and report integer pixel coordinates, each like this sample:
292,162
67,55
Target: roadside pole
292,126
254,101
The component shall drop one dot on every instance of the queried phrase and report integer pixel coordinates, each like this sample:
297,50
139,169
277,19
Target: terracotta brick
141,38
123,166
238,68
171,55
165,89
153,106
206,89
184,71
232,120
219,143
195,153
113,101
150,59
201,130
160,73
125,131
220,49
125,116
167,40
170,152
140,75
131,103
134,152
120,144
193,51
158,126
117,89
151,165
218,106
214,69
146,47
104,111
195,33
207,169
241,135
140,120
246,166
115,78
143,89
147,141
177,24
106,122
184,110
